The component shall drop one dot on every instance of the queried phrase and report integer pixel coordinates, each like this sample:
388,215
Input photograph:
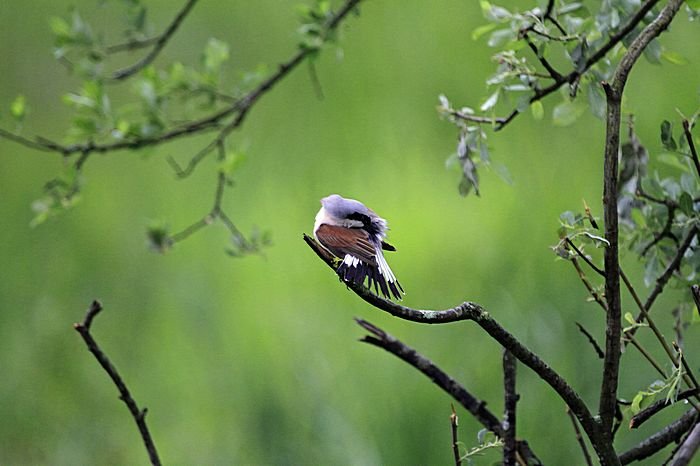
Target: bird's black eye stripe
367,224
360,218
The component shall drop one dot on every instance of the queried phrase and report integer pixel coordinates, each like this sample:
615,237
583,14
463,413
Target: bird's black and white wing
361,257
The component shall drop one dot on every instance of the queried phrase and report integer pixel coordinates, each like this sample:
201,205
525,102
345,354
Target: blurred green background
256,360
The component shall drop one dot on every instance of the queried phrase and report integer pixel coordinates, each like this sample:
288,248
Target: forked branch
139,415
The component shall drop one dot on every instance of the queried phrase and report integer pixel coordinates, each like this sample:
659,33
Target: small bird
355,234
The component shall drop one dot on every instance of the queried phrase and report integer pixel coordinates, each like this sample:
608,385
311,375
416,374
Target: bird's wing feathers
341,241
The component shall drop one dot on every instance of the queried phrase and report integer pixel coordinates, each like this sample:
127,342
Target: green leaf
566,113
674,58
630,318
652,52
671,160
667,136
232,162
500,37
694,4
60,27
481,30
537,110
686,203
596,100
18,108
491,101
215,54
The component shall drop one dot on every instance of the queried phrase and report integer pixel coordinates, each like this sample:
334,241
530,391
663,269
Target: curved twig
139,415
159,44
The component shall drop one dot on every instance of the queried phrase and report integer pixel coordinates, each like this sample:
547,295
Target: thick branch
671,433
158,46
688,448
476,313
613,325
476,407
138,414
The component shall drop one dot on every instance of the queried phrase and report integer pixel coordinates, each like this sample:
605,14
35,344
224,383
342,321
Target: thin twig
139,415
656,442
473,405
652,325
158,46
454,421
579,438
131,45
628,338
554,74
691,145
597,269
665,231
510,402
591,340
477,314
666,275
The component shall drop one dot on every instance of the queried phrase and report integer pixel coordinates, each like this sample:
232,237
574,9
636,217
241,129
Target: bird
355,234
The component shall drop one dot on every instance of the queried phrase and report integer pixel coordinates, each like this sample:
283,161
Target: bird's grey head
343,208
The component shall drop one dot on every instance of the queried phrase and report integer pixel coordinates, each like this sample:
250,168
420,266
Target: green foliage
472,150
660,211
18,109
487,443
60,194
254,243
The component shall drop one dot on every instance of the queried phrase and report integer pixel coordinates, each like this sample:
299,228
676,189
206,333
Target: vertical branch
454,420
613,326
613,92
511,400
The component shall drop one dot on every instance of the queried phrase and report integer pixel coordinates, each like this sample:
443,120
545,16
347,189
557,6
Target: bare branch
476,407
591,340
688,448
158,46
597,269
510,402
476,313
671,433
139,415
